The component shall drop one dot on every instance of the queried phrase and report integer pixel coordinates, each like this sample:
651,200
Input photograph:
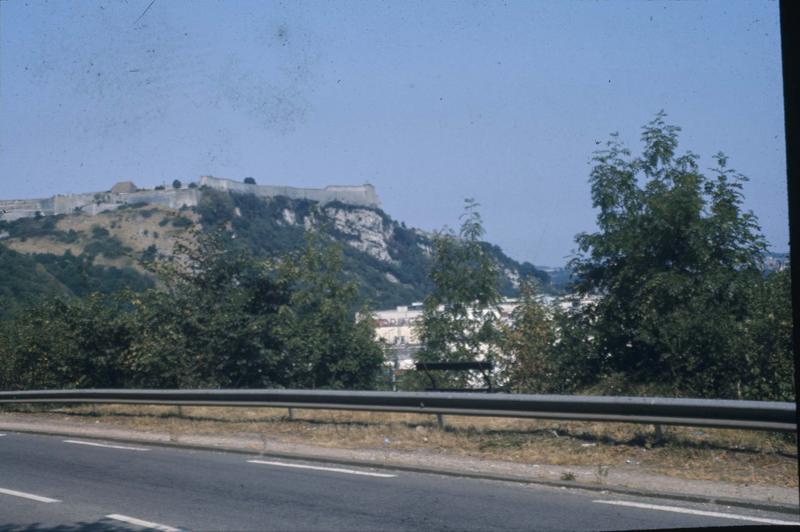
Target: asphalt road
49,482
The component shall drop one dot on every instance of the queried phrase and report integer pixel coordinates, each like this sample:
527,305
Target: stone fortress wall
94,203
362,196
25,208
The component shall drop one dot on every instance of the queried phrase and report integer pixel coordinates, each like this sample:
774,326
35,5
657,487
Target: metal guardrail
755,415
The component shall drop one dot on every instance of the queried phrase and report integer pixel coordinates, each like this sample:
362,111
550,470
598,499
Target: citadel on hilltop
126,193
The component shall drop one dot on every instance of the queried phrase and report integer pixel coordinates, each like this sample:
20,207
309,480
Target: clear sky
429,101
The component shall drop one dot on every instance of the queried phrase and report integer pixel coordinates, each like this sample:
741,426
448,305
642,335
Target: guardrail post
180,410
291,414
440,421
659,431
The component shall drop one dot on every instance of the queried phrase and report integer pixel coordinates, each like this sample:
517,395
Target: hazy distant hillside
77,253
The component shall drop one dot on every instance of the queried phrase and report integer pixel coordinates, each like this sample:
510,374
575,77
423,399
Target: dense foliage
222,319
676,265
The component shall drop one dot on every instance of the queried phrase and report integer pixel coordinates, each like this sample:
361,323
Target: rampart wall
94,203
361,195
15,209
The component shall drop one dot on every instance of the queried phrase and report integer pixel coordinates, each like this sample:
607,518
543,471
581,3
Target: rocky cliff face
386,258
364,229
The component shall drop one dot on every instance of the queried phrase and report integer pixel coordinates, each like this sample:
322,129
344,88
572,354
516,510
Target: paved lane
205,490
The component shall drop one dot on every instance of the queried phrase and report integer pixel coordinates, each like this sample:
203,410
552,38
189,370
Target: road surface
49,482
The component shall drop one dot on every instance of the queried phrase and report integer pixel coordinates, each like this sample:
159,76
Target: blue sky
431,102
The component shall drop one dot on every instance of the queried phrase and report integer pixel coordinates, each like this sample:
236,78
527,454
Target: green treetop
459,322
674,262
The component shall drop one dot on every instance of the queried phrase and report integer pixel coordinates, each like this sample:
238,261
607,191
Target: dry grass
745,457
43,245
135,228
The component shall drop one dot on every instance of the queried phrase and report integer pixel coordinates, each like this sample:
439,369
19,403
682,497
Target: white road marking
30,496
699,512
142,523
93,444
319,468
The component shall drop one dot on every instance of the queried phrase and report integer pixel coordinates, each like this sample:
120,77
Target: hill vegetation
74,255
28,279
219,319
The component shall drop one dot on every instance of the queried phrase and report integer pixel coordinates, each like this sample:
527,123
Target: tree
215,321
177,184
227,319
324,346
528,339
674,263
460,315
63,343
249,181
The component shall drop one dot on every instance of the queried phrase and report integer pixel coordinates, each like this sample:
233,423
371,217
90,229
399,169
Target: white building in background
397,327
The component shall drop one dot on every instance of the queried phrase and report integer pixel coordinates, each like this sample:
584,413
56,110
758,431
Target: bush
176,221
149,254
181,221
99,232
111,247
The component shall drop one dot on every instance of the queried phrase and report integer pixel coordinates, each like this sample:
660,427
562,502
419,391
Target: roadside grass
743,457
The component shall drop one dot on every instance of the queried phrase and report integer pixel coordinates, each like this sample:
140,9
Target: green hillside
73,255
27,279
